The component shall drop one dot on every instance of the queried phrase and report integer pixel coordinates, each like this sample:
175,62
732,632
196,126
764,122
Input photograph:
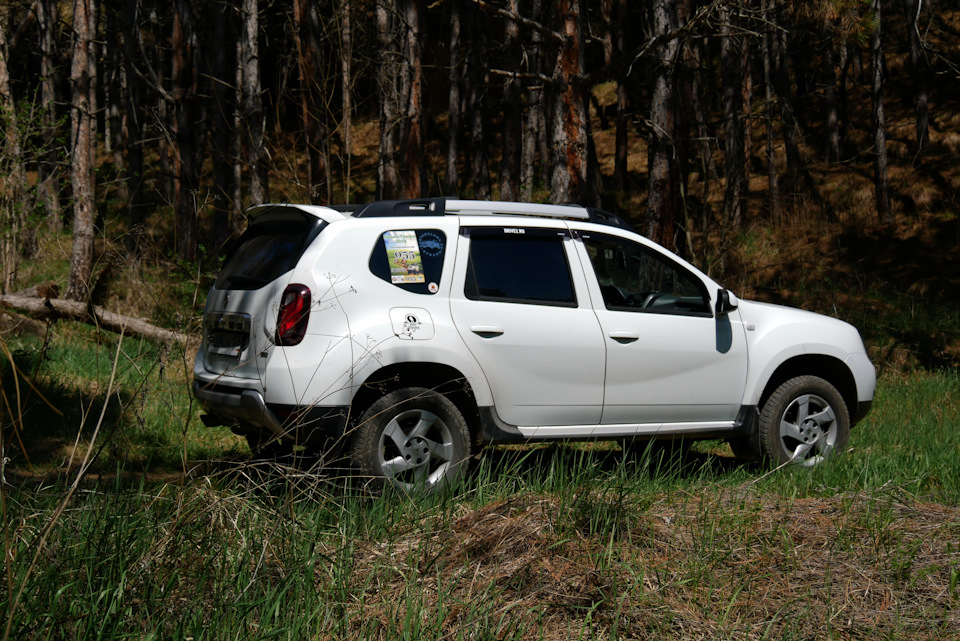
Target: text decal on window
403,255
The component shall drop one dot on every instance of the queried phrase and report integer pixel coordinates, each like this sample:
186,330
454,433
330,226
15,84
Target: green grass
544,542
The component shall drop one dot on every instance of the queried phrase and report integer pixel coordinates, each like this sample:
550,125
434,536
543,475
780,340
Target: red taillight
293,316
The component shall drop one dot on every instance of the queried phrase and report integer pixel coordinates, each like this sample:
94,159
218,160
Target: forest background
800,152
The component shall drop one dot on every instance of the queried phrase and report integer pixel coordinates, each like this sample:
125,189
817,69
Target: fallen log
55,308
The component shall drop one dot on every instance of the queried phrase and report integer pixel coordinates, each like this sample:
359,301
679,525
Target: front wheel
804,421
413,439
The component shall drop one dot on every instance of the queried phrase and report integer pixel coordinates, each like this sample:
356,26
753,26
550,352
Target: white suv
407,332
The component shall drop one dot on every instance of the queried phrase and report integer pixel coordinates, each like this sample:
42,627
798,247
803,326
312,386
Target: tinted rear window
269,248
519,266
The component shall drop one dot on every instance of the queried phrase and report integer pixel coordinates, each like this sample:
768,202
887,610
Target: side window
635,278
519,266
411,259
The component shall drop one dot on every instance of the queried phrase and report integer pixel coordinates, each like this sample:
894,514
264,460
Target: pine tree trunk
131,127
253,118
388,179
781,84
48,171
512,115
13,227
346,90
533,123
82,156
880,176
918,66
306,28
413,179
568,125
734,137
660,205
222,67
477,81
831,115
773,181
188,143
451,182
620,167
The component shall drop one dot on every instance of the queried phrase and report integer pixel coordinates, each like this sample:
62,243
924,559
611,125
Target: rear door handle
624,337
486,331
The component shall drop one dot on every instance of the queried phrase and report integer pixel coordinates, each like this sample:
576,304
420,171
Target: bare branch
525,22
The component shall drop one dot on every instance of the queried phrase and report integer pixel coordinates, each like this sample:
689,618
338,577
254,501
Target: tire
413,439
804,421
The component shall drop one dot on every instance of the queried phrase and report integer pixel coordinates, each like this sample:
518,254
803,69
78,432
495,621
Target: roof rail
442,206
419,207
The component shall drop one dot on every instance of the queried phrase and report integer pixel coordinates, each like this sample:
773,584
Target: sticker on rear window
403,255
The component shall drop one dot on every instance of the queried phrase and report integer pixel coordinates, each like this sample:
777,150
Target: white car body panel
776,334
543,363
544,371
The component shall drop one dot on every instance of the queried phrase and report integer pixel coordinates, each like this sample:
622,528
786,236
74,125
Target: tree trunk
346,90
512,114
660,144
13,227
477,82
253,118
414,178
534,138
773,182
82,156
56,308
568,121
918,66
222,65
189,144
877,68
48,171
781,84
620,167
388,178
161,119
131,127
731,47
831,115
306,28
454,74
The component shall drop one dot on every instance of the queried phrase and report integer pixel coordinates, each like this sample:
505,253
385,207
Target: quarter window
518,265
635,278
411,259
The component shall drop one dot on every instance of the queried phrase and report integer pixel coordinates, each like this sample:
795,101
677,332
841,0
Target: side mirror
726,302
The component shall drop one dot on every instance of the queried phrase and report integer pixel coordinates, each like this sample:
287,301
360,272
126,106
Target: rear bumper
236,407
246,412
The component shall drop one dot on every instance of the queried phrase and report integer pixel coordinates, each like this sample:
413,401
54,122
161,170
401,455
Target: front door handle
486,331
624,337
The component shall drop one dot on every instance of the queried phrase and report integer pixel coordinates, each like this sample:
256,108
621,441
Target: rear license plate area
227,334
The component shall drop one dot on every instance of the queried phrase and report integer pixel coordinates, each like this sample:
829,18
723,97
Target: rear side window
411,259
519,266
269,248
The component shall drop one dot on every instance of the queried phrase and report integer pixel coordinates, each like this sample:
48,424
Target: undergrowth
564,541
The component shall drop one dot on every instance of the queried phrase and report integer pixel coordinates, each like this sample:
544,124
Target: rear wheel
804,421
413,439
